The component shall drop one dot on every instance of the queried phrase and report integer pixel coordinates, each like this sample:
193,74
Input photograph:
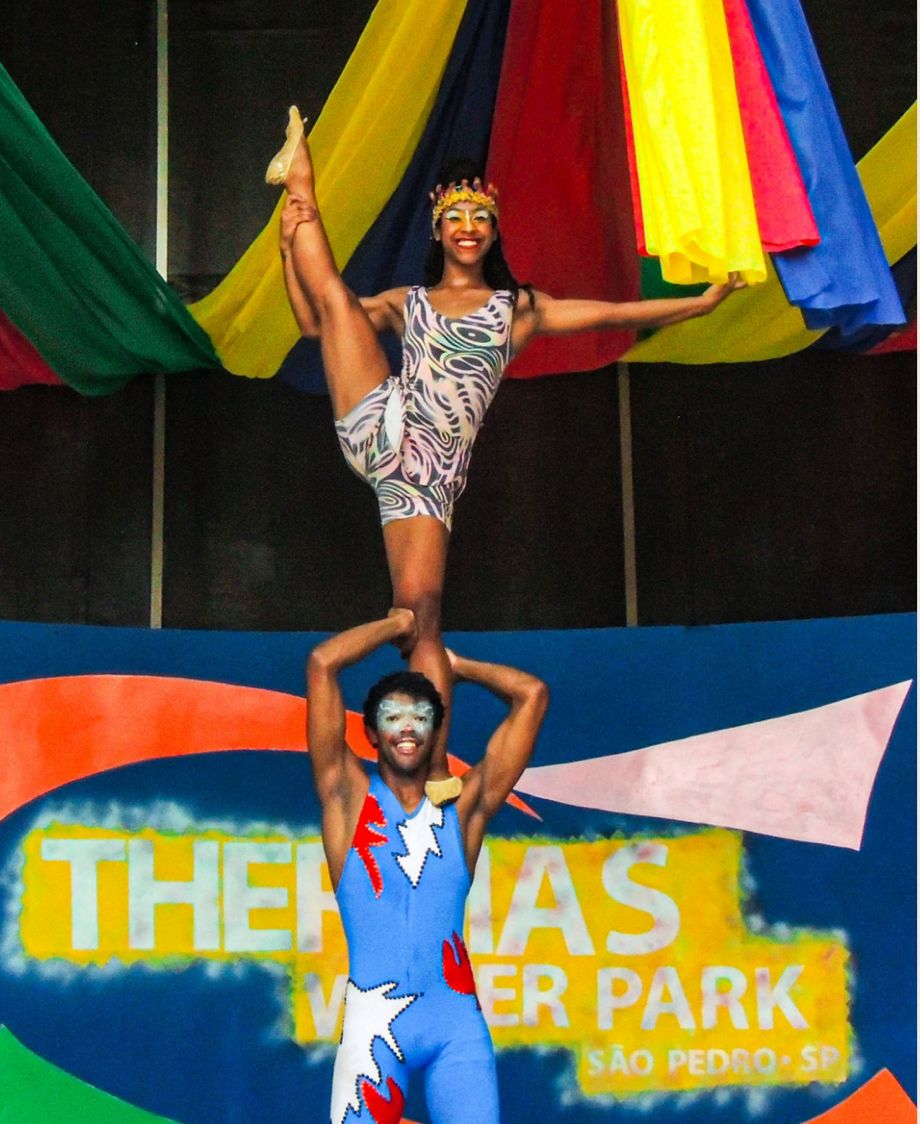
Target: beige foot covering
281,162
442,792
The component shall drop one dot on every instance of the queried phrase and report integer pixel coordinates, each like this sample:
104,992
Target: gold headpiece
463,192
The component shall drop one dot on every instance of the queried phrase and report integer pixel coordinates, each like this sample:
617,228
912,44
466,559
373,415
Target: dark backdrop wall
763,491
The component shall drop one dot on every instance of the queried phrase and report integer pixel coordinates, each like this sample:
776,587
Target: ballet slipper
281,162
442,792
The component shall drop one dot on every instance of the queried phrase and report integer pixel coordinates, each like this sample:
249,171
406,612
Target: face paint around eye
418,715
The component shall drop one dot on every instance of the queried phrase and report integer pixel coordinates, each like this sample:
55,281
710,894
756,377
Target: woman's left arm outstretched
549,316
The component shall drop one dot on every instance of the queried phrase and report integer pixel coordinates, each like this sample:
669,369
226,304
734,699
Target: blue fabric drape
904,274
844,281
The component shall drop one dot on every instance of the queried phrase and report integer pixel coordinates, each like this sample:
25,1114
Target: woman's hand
405,639
293,213
715,294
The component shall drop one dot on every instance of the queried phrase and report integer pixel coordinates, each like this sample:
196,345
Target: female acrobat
410,436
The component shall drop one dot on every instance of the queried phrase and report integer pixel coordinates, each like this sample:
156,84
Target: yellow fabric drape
362,143
694,182
889,177
760,323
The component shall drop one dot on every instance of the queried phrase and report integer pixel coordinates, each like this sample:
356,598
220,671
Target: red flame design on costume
458,971
384,1111
366,837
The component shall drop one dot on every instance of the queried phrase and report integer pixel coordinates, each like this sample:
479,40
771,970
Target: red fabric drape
631,157
558,156
20,363
784,215
904,339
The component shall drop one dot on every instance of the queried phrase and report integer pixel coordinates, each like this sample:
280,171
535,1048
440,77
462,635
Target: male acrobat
402,867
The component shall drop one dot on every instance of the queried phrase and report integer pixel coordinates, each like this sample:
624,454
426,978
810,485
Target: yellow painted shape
694,181
553,908
47,906
702,878
361,143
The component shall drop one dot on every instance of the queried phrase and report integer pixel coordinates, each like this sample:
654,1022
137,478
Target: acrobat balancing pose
410,437
401,868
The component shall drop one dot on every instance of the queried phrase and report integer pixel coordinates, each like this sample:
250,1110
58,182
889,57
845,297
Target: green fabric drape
71,279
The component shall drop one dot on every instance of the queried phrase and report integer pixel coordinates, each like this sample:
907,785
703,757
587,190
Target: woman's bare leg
353,359
417,555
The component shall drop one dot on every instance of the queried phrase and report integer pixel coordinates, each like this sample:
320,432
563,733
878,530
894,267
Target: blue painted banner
700,907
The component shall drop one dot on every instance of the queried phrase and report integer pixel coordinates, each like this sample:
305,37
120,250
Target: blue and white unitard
410,1002
410,437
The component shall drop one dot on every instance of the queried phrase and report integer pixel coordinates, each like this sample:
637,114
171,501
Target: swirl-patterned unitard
410,437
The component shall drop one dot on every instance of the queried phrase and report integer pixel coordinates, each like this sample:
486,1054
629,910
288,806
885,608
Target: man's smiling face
404,734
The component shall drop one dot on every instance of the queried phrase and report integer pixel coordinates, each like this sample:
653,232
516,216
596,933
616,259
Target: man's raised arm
334,765
488,783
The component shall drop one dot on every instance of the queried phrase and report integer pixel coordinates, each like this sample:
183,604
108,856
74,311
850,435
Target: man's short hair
411,683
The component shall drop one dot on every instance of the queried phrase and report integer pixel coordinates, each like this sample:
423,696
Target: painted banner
698,906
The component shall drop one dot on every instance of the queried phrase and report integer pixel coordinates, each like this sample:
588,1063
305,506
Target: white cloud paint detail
419,840
368,1015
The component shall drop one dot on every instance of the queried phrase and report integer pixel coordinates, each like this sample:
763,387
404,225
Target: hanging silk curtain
84,301
361,143
784,215
697,202
759,323
558,157
843,281
20,363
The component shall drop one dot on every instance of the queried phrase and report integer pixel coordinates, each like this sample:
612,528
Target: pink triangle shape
806,776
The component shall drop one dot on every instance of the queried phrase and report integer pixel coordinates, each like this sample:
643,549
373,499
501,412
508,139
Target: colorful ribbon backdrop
734,152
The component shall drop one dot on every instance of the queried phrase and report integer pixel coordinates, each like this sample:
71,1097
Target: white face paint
397,714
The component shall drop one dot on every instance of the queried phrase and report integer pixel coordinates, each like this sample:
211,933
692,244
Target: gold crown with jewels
463,192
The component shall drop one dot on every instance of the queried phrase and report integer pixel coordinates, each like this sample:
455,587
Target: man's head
402,713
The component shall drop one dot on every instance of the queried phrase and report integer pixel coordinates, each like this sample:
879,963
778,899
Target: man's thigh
461,1084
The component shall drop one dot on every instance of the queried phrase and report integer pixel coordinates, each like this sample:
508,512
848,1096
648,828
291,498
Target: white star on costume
368,1015
419,840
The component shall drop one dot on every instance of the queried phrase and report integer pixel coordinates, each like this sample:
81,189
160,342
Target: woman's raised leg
353,359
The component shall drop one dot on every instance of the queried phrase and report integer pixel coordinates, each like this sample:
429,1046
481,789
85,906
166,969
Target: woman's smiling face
466,231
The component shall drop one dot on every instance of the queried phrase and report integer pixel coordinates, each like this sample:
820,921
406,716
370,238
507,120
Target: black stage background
762,491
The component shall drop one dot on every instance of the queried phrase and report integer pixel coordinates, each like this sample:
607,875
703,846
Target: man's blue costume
411,1001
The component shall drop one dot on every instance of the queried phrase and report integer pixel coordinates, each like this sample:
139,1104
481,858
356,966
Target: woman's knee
335,299
425,603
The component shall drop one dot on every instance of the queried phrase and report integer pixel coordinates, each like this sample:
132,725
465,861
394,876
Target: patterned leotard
410,1001
410,438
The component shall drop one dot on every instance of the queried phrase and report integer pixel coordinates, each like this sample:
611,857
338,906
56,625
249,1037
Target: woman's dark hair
411,683
495,269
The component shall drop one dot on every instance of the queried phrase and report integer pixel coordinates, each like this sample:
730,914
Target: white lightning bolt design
368,1015
419,840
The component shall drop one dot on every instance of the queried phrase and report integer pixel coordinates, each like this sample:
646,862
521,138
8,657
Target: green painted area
33,1091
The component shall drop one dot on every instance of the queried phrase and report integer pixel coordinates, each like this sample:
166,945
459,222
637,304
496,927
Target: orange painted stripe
880,1101
59,730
